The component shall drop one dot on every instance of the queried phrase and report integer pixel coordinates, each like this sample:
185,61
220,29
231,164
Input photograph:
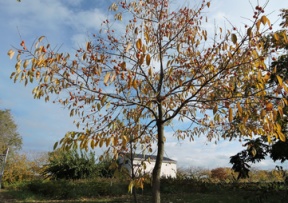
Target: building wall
168,169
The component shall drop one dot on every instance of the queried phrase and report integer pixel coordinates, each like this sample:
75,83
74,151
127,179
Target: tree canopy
9,137
162,67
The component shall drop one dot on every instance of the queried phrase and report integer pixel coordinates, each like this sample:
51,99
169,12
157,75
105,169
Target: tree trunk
157,168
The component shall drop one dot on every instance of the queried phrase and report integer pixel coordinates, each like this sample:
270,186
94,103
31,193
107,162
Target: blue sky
67,24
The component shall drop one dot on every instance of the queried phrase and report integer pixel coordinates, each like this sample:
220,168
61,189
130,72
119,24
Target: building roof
152,157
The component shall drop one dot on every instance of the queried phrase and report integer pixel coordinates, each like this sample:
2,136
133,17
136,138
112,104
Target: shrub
70,165
17,169
67,189
219,173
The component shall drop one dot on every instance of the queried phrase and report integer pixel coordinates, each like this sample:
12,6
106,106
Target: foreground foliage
258,149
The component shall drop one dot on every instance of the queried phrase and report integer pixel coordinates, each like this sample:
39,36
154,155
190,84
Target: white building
144,164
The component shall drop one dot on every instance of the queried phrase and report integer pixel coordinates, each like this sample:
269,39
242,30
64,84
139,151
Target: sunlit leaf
258,23
279,80
230,115
11,53
130,187
215,109
139,44
249,32
128,47
26,63
239,108
282,137
41,38
150,71
265,20
148,59
269,106
106,78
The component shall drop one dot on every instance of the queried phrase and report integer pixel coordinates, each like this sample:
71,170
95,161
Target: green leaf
55,145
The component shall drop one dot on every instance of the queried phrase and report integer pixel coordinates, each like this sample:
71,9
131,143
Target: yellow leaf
88,46
249,32
253,152
280,110
269,106
134,84
282,136
139,44
146,35
276,37
150,71
115,141
258,23
144,48
130,187
141,60
230,115
279,80
11,53
101,142
274,113
234,38
265,20
106,78
128,47
92,144
215,109
26,63
98,106
123,66
108,141
239,108
148,59
41,38
179,47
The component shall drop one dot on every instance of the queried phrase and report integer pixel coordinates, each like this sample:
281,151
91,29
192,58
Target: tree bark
156,198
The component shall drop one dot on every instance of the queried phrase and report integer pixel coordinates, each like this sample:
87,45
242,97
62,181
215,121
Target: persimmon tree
163,67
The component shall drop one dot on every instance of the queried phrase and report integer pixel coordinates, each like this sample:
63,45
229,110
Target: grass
172,191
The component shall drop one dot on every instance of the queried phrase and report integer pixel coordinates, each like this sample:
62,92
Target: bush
70,165
23,167
17,169
67,189
220,173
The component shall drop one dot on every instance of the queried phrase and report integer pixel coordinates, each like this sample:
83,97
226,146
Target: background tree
9,137
128,85
258,149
